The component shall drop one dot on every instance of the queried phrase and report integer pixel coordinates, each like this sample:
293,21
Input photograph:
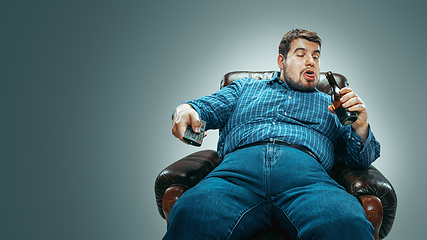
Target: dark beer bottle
344,115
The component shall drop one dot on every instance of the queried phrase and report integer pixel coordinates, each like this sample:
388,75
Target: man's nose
309,61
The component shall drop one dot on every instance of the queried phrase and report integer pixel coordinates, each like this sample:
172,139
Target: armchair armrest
182,175
362,184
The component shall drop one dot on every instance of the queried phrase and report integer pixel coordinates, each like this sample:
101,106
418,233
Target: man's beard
298,85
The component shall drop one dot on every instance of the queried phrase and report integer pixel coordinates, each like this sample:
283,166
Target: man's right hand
184,116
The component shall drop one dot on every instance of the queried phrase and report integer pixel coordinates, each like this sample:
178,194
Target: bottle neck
334,87
332,83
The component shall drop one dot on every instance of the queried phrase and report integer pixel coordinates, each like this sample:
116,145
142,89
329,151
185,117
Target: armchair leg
170,197
374,211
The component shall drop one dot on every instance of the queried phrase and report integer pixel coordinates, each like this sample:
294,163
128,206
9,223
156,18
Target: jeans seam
241,216
286,215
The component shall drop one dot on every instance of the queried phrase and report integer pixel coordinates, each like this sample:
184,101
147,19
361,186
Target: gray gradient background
87,90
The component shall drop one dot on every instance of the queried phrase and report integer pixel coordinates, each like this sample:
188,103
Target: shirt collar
276,78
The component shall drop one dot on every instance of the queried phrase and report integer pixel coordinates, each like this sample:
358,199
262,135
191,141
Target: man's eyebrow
303,49
300,48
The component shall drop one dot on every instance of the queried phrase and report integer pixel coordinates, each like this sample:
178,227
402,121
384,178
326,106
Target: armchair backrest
322,86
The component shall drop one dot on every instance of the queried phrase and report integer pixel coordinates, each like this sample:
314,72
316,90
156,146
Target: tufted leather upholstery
373,190
322,85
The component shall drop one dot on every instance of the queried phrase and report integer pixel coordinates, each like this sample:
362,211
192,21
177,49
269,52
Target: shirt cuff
356,142
362,155
195,107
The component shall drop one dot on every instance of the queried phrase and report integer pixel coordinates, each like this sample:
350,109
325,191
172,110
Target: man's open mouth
309,75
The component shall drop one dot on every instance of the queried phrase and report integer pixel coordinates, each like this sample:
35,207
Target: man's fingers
185,116
178,129
181,120
195,121
345,90
357,108
352,102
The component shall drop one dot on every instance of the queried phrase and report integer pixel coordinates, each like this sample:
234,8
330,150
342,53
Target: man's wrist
362,131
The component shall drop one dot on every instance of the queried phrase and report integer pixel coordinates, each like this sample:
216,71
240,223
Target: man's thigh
311,202
217,209
324,211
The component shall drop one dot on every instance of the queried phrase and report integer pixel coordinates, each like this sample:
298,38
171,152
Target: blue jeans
268,186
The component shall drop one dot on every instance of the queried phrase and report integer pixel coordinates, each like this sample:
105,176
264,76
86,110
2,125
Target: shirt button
274,123
289,97
358,143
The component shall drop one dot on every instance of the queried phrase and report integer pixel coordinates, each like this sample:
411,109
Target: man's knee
342,225
185,210
185,218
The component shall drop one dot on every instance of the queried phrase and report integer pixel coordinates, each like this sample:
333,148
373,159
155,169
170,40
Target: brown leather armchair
373,190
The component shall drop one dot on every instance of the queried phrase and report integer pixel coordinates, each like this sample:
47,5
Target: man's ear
281,61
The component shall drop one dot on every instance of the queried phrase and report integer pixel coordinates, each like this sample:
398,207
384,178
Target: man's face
302,65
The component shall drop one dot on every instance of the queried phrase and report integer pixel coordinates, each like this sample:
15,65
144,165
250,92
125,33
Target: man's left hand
354,103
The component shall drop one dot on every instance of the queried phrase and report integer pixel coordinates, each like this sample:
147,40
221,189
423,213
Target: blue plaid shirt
250,110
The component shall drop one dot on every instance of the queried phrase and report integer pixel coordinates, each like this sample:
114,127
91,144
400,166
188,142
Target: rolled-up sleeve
356,154
216,108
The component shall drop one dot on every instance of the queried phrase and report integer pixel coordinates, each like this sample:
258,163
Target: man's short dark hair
285,44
